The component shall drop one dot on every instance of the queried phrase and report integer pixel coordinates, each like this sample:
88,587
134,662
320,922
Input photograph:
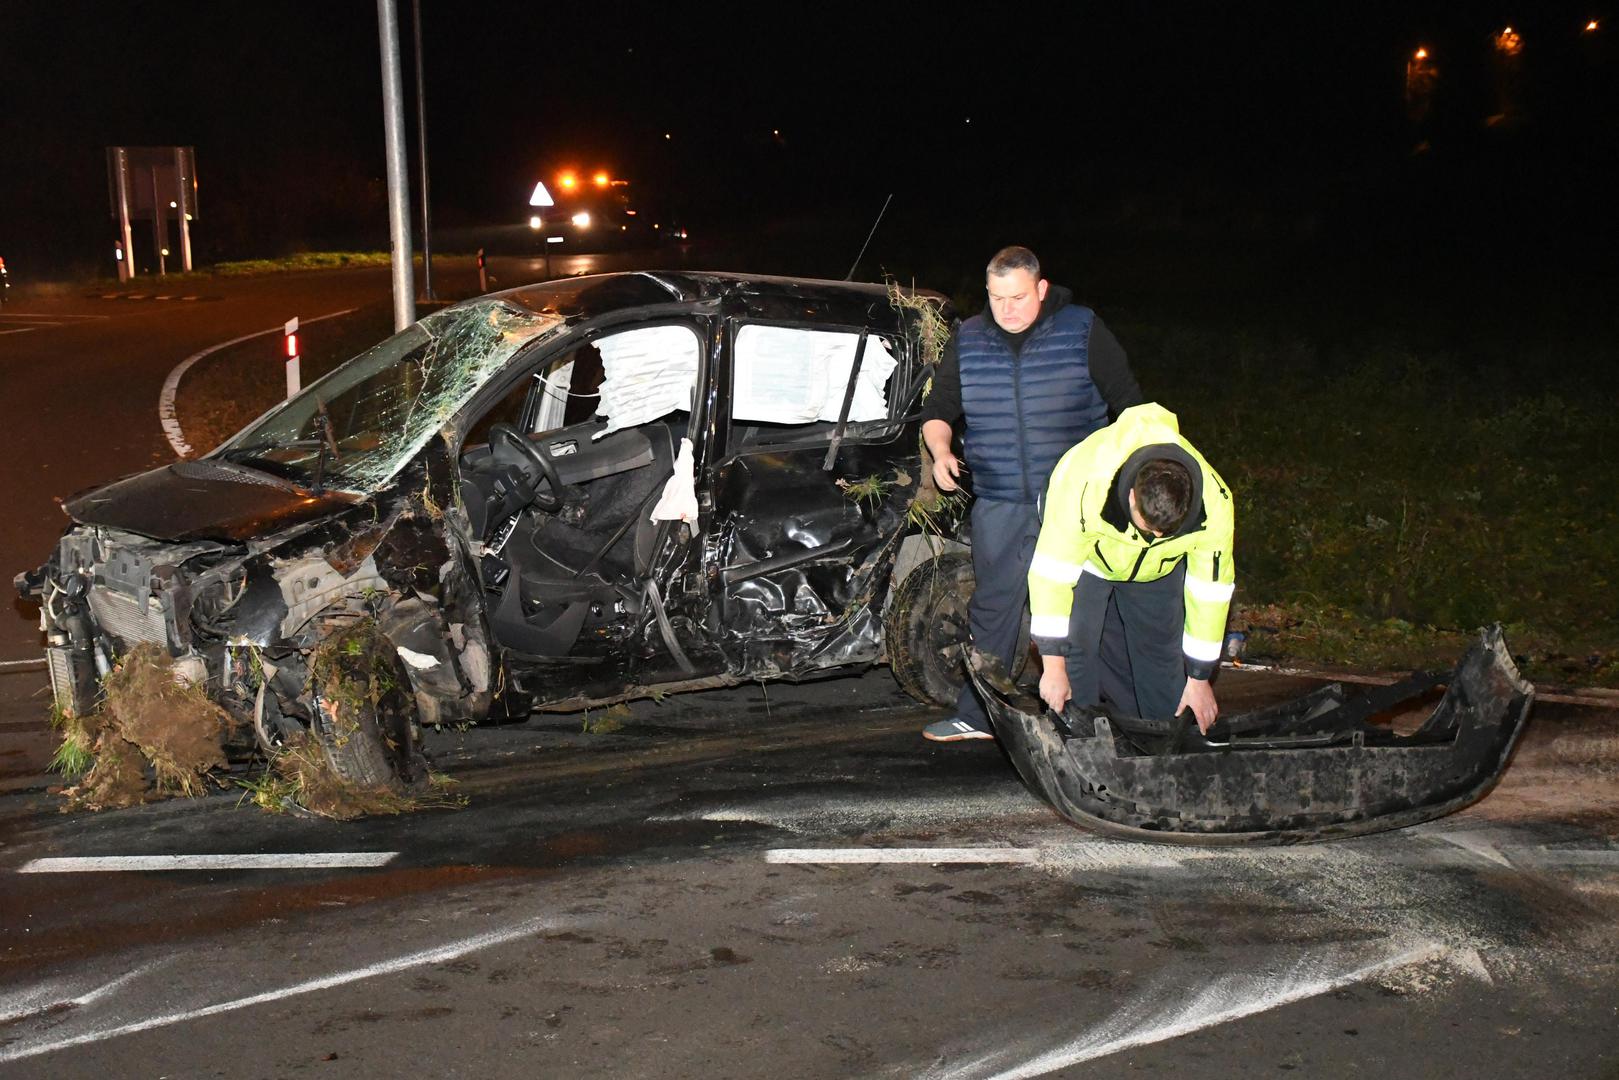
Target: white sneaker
954,729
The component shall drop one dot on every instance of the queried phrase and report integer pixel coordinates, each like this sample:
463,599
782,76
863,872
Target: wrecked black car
570,493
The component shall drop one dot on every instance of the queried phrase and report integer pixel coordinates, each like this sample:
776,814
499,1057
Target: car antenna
850,275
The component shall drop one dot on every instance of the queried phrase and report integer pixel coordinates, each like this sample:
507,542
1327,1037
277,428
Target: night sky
1120,115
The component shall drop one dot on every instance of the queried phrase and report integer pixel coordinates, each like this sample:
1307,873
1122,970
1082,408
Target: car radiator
59,660
127,619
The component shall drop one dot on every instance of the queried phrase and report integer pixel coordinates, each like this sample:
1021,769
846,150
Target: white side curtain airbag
789,376
647,372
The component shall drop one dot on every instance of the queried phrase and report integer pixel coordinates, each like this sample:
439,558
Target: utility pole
126,238
393,127
421,149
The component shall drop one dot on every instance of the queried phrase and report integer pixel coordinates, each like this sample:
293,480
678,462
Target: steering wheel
531,452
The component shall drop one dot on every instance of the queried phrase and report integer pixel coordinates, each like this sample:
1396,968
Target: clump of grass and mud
154,737
359,685
299,779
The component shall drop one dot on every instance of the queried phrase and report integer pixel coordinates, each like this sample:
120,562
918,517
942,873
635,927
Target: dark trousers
1003,535
1124,644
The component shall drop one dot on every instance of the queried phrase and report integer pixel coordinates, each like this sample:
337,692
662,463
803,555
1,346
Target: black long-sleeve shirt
1109,367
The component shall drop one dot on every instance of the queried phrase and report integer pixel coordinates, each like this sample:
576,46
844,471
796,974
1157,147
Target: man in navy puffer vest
1032,375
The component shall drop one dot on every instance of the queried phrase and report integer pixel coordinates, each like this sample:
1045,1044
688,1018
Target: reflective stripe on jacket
1082,534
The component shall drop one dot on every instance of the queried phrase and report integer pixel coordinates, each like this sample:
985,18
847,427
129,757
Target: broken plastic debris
419,661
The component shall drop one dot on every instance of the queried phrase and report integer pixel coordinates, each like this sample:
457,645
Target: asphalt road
779,880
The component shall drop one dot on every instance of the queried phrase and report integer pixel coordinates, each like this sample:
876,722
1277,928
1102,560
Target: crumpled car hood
202,500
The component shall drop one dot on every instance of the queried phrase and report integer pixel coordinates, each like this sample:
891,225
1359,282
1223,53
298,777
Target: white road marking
1469,962
55,319
295,860
1088,855
54,995
171,385
1477,845
1151,1019
439,955
24,330
904,855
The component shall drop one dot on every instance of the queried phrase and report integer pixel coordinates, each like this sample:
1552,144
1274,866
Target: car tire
365,721
927,618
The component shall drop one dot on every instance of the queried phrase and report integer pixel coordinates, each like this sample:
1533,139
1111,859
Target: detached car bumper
1311,769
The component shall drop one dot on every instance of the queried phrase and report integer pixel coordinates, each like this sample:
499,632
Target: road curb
1596,697
171,386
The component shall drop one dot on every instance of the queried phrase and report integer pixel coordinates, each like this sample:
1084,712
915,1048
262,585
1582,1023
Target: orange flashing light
601,179
567,181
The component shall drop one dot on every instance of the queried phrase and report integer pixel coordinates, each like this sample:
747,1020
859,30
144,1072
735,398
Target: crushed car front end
324,515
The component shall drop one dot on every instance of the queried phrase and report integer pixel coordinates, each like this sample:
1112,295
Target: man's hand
1198,696
946,467
1054,689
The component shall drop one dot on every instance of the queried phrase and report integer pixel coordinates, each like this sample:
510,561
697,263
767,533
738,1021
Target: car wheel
927,620
365,717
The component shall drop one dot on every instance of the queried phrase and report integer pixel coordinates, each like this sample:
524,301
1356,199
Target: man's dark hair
1013,258
1163,495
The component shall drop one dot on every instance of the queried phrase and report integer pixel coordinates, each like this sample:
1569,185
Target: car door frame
544,682
765,647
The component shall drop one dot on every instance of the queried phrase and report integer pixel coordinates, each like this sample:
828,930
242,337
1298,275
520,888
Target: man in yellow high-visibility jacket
1133,574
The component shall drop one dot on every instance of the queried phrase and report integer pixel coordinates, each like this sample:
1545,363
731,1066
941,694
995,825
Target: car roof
761,296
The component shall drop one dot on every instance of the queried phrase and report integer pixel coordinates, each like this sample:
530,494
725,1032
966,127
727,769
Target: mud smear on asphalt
1565,771
812,812
154,736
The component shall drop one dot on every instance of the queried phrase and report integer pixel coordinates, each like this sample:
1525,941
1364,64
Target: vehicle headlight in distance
581,220
536,222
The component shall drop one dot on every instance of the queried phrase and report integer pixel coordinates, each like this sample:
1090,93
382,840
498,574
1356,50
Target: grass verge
1392,500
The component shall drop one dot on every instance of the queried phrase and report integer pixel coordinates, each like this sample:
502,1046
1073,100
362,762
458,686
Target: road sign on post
152,183
292,357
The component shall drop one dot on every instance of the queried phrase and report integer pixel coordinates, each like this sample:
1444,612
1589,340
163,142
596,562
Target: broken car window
569,388
384,405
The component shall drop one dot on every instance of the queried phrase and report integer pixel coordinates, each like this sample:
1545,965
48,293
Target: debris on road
1314,769
155,735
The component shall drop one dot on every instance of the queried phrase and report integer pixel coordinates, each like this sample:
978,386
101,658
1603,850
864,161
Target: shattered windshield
356,427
